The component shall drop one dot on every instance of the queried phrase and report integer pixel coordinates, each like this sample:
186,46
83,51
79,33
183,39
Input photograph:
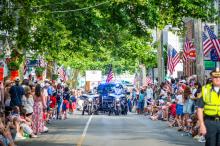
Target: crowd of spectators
27,108
174,101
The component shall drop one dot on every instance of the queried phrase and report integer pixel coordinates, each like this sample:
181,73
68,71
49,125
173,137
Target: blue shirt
16,93
141,97
50,91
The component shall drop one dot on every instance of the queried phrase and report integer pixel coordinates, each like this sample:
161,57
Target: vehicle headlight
90,99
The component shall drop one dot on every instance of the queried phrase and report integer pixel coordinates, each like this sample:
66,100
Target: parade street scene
109,73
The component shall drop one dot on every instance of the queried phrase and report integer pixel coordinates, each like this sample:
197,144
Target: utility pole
160,65
199,51
143,74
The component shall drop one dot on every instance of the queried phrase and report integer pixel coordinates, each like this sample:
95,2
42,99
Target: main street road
104,130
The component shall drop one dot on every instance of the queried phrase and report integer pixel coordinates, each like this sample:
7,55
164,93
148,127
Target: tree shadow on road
44,143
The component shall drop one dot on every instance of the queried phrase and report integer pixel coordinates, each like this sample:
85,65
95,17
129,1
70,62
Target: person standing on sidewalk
39,105
16,93
141,102
209,110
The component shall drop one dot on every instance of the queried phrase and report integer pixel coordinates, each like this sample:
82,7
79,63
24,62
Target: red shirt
65,102
173,109
53,101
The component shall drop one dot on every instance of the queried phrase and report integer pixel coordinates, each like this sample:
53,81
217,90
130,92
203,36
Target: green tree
93,34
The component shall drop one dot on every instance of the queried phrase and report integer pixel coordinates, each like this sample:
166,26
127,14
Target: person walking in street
209,111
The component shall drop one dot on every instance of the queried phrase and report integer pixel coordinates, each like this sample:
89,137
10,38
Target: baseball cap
215,73
17,79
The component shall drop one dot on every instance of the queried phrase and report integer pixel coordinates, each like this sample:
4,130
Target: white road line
84,132
87,126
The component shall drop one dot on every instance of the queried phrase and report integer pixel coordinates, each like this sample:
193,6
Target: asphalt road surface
104,130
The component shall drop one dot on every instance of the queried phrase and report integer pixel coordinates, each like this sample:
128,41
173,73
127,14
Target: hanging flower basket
39,71
39,78
55,77
12,66
14,74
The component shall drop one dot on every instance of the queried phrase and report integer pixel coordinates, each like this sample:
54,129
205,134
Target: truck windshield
106,88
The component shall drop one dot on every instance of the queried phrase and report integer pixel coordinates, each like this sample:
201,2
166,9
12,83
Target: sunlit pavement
104,130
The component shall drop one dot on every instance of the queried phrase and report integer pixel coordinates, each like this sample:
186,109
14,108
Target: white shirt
179,99
149,93
45,93
164,94
193,92
216,89
28,104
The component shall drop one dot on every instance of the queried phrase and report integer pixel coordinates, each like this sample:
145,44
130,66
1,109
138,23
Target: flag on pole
213,38
110,75
42,63
26,66
62,74
185,51
207,44
172,59
149,80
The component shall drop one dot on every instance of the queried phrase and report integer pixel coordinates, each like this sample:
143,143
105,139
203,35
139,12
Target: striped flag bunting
172,59
110,75
213,38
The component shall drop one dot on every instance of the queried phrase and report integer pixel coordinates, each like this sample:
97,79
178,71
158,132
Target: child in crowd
72,103
179,108
53,102
65,106
172,109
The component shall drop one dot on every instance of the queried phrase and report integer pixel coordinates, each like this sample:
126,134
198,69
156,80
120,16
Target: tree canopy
94,33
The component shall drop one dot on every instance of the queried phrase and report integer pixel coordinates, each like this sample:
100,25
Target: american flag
110,75
213,39
207,44
42,63
188,46
26,66
149,80
62,74
185,51
172,60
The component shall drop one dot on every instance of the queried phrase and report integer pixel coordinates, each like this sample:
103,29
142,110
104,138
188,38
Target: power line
85,8
52,4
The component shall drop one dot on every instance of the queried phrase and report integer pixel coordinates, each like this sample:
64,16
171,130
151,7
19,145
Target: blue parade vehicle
109,93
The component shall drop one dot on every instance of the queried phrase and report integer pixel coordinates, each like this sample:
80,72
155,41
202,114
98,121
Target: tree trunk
75,77
49,71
